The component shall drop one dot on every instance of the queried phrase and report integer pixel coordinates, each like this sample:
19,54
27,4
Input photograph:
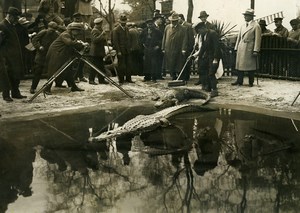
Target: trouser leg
251,77
38,70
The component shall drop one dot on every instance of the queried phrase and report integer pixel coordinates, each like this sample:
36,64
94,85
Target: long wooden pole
252,4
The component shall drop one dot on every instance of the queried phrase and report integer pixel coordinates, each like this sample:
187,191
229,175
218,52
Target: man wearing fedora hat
280,30
11,51
120,38
151,38
174,46
203,17
247,47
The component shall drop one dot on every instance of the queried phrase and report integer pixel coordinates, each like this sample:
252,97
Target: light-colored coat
248,41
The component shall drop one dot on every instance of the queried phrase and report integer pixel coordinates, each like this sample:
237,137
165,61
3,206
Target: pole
252,4
296,98
106,77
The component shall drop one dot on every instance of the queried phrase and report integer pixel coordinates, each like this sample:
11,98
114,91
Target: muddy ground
269,97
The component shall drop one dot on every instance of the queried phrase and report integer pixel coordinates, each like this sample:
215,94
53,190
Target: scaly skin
175,96
146,123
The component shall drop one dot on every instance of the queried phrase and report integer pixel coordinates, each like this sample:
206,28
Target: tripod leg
295,99
53,77
106,77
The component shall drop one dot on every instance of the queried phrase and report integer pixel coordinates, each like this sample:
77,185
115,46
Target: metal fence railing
279,58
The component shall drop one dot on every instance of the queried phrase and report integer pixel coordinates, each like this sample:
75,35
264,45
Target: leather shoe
47,92
19,96
8,99
83,79
236,83
76,89
60,86
32,91
214,93
103,82
250,85
92,83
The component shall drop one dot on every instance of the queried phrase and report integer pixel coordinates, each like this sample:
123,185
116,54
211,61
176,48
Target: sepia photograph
149,106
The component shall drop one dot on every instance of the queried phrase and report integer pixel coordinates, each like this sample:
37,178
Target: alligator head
175,96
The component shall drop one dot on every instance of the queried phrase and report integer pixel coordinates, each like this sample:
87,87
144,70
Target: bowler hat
123,19
203,14
174,17
262,22
75,26
249,12
14,11
98,20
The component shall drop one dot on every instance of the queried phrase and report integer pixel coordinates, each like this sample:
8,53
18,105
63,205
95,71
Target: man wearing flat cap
294,42
174,46
97,51
247,47
209,54
294,34
10,49
61,50
41,43
120,38
280,30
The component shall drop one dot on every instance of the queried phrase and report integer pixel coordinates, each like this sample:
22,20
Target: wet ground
218,161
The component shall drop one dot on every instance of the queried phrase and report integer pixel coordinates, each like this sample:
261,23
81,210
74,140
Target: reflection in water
226,161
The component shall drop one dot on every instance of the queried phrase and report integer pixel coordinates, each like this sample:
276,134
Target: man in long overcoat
247,47
12,57
190,46
174,46
120,38
151,38
62,50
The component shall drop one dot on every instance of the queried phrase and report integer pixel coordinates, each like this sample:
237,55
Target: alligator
176,96
146,123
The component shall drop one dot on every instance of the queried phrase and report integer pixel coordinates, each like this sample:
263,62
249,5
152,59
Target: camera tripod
67,64
295,98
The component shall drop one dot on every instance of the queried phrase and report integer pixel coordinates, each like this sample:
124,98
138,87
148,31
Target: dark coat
11,50
97,43
60,51
210,47
154,39
120,37
173,43
44,38
190,36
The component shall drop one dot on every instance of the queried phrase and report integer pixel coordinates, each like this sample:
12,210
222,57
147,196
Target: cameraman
62,50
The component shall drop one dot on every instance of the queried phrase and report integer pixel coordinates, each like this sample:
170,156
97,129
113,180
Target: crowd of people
160,46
